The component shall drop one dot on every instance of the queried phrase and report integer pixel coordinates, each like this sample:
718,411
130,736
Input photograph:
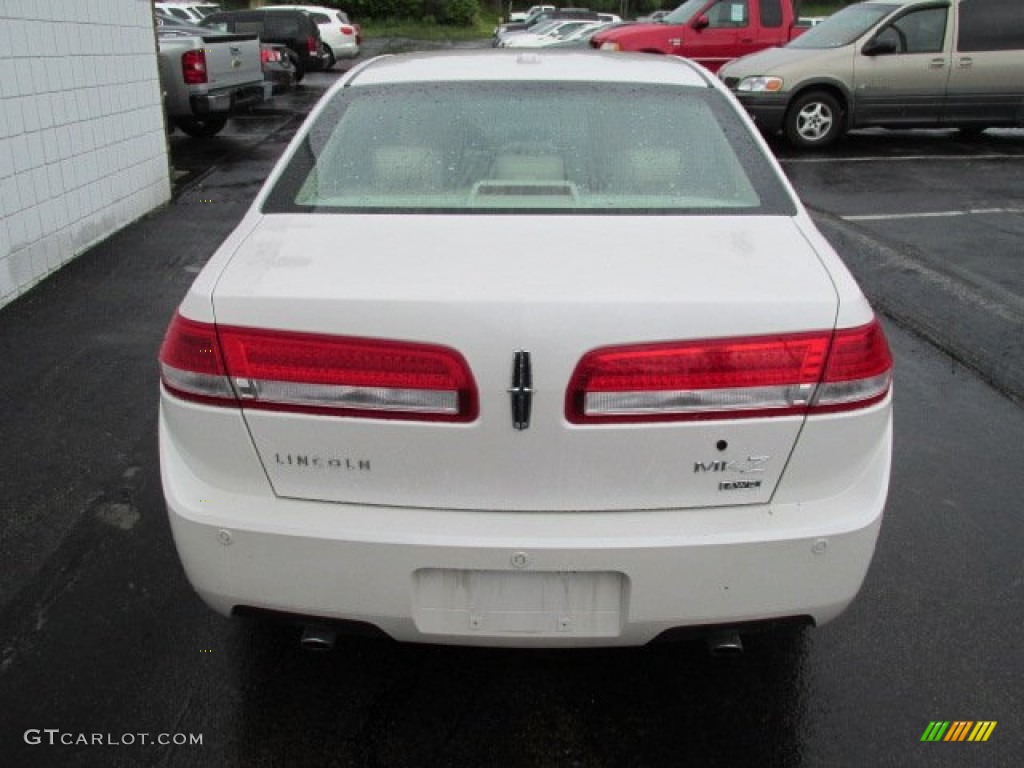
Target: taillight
193,67
313,45
858,372
269,55
747,377
312,373
346,30
191,365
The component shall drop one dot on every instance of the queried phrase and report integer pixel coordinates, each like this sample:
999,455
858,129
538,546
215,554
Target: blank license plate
510,603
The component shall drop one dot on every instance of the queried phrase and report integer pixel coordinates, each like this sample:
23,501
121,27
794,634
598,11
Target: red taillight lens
309,373
269,55
193,67
191,365
858,372
312,44
731,378
346,30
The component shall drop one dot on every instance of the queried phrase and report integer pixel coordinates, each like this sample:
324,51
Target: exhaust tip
317,639
725,644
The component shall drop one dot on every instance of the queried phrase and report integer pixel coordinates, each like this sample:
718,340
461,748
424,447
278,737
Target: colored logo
958,730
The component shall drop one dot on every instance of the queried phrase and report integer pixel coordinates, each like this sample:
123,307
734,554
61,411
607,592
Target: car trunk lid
493,288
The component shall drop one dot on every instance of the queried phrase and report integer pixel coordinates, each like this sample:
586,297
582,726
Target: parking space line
930,215
903,158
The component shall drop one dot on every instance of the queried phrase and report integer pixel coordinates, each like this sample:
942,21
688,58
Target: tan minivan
890,63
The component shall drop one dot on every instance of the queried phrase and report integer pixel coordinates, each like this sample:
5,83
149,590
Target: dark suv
294,29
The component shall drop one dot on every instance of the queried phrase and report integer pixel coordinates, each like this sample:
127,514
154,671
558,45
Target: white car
583,372
556,32
533,10
187,13
341,38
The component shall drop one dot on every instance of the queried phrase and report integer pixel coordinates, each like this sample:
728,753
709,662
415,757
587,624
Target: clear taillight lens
731,378
311,373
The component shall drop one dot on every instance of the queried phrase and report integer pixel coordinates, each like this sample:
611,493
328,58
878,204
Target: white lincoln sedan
526,349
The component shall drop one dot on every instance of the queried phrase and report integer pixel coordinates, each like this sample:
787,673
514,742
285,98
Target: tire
202,127
331,60
814,120
300,70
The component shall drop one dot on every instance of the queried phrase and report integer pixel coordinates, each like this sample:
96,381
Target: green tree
461,13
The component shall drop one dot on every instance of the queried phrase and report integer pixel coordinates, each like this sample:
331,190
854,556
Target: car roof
508,64
894,3
184,28
303,7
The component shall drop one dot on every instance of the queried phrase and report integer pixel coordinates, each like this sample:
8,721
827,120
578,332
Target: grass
819,8
425,30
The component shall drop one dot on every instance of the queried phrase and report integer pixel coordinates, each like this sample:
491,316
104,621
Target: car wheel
329,64
300,70
202,127
814,119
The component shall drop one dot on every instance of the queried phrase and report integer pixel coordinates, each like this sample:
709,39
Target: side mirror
701,22
878,47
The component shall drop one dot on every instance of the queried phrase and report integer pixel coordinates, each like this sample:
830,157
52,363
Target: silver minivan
890,63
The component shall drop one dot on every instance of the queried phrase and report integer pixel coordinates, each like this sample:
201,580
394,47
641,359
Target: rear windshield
565,148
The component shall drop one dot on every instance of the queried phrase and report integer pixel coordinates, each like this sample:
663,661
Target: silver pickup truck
206,76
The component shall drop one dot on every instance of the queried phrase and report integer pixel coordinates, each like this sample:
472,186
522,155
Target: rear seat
648,170
406,167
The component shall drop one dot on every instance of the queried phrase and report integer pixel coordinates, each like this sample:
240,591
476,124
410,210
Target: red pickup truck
711,32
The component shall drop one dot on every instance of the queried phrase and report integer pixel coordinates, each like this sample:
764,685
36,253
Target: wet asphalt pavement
100,634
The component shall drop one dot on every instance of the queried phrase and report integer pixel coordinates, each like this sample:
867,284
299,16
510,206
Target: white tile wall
82,147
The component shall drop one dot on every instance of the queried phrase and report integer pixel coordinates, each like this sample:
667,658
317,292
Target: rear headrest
401,167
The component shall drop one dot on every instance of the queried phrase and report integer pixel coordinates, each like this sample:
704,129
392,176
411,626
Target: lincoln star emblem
521,390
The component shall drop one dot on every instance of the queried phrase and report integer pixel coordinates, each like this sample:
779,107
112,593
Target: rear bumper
228,101
280,80
526,579
315,62
346,48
